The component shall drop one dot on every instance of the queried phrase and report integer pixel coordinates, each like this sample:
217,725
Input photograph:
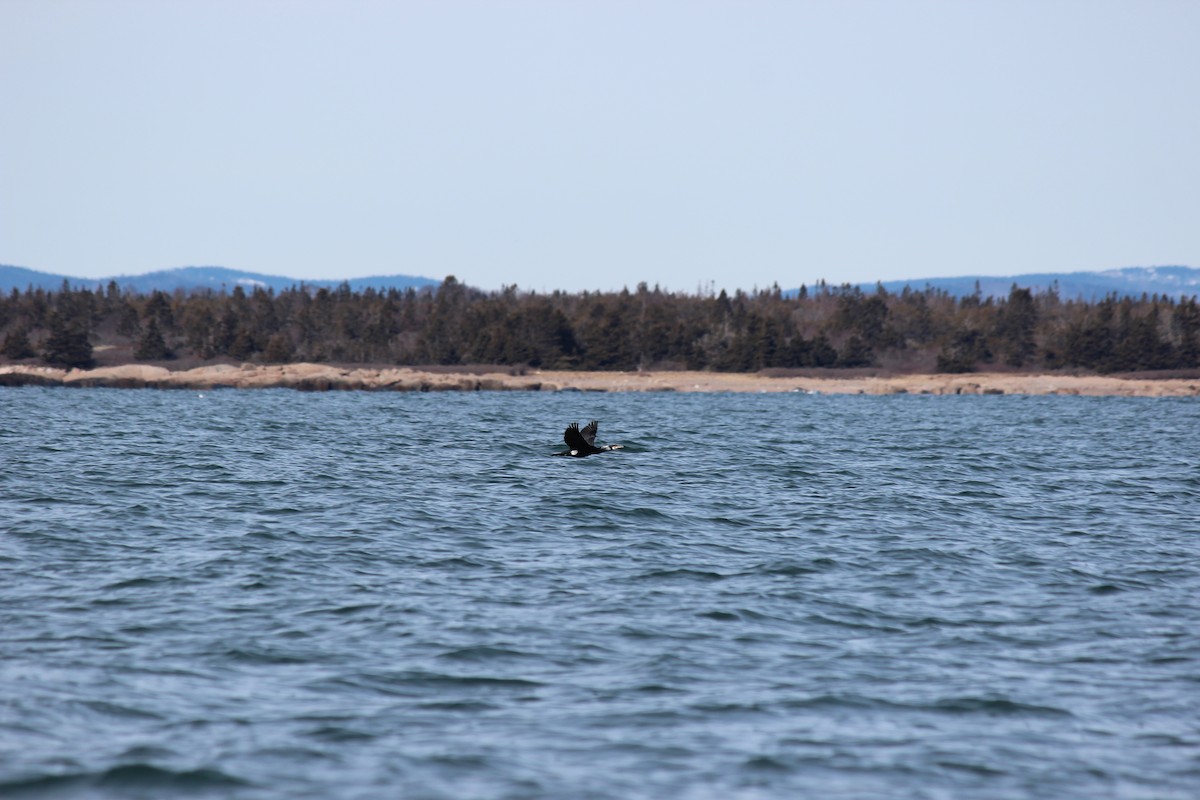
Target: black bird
583,442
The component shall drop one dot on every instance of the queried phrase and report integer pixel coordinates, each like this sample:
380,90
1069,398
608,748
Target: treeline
826,327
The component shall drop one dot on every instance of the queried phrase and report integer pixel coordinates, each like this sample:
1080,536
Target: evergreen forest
821,327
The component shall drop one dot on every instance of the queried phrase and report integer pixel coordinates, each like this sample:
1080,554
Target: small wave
657,688
127,779
458,562
832,701
955,705
994,706
146,752
730,522
729,709
465,706
341,611
736,615
338,733
117,710
924,554
262,656
1166,660
976,769
845,623
483,653
135,776
680,575
646,513
765,764
978,494
141,582
405,682
793,568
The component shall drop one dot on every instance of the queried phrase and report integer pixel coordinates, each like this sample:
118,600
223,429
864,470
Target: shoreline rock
322,377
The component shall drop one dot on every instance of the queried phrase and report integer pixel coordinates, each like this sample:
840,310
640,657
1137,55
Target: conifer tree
152,347
16,344
279,350
68,344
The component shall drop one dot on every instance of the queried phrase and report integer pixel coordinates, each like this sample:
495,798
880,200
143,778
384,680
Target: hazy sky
591,145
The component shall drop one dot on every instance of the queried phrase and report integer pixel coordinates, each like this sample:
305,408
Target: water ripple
277,594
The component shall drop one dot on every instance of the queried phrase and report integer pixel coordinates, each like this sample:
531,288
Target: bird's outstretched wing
574,439
589,432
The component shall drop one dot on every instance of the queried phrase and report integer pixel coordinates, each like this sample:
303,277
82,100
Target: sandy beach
323,377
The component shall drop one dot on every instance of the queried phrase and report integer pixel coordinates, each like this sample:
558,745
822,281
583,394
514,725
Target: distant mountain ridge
192,278
1088,286
1173,281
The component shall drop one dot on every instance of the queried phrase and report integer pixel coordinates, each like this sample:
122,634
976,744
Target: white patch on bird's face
574,452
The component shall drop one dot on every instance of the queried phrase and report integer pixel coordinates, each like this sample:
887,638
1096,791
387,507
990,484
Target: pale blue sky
593,145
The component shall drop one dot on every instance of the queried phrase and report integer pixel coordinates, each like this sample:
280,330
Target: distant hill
1129,281
190,278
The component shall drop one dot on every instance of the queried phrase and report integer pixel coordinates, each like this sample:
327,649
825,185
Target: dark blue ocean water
272,594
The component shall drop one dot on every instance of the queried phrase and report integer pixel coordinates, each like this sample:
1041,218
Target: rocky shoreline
323,377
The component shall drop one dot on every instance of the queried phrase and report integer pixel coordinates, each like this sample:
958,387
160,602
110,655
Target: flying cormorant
583,442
